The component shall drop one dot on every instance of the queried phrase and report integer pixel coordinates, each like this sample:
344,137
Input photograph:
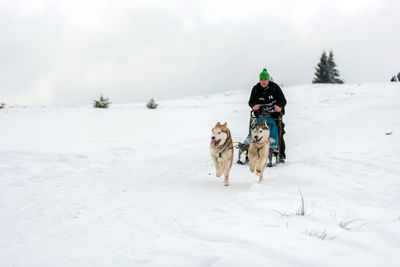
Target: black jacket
272,92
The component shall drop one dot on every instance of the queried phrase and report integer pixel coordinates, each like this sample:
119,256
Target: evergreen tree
102,103
321,71
326,71
333,72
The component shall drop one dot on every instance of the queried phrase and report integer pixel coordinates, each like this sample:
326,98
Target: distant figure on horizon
393,79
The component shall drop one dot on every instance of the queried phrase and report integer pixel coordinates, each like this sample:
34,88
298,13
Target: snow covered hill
128,186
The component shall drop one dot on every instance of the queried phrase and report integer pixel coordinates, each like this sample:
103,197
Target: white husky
259,148
221,150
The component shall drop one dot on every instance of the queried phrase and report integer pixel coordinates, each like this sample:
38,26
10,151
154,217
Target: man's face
264,83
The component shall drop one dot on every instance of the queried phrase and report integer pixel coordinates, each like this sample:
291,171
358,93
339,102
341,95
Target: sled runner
266,112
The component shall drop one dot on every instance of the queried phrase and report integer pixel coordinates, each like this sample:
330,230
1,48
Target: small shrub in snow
320,235
301,210
152,104
345,224
282,213
2,105
101,103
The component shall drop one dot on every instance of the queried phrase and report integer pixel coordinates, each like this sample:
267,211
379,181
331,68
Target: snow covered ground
128,186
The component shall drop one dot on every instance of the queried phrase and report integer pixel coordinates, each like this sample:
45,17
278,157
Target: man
267,92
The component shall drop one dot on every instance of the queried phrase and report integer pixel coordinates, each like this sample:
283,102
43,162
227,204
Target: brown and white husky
259,148
221,150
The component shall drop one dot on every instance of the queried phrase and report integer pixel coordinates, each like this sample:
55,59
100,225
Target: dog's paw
258,172
226,181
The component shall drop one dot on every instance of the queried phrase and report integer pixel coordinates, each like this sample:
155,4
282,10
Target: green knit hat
264,75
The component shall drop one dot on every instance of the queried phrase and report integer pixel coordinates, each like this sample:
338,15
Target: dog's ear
218,124
265,123
224,124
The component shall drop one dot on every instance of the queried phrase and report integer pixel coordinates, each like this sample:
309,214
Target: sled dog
221,150
259,148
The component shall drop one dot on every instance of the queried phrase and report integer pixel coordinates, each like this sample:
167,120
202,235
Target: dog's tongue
216,142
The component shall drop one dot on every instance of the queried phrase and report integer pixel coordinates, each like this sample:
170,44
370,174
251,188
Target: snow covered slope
128,186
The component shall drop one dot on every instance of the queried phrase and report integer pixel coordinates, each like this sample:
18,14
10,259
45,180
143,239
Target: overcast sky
67,52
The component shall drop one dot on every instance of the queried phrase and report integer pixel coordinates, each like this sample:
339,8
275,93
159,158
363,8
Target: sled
266,112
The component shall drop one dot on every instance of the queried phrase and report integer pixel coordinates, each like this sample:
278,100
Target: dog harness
258,151
223,150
